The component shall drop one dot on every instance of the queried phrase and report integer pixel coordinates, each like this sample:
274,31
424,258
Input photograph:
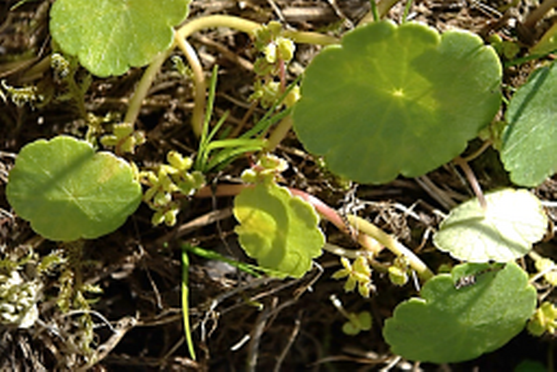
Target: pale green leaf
505,231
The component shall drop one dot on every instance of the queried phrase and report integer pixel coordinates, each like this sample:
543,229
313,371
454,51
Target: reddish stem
323,209
282,75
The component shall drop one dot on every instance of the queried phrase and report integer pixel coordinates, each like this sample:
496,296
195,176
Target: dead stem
478,152
289,343
471,177
539,13
383,8
257,332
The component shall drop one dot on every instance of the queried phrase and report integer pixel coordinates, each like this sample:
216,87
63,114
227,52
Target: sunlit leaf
396,100
109,36
529,141
505,231
450,325
67,191
277,229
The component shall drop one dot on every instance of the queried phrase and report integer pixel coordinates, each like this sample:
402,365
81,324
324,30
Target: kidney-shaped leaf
529,141
68,192
451,325
505,231
396,100
109,36
277,229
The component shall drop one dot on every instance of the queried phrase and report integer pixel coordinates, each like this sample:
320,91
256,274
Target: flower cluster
277,51
170,179
543,320
548,267
358,273
398,271
124,138
267,169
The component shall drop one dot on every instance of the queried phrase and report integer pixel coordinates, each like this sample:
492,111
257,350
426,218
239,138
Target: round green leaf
505,231
451,325
396,100
529,140
109,36
67,191
277,229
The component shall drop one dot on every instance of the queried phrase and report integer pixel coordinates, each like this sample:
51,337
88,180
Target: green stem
185,303
381,11
338,305
211,21
487,143
354,254
212,255
374,12
199,80
406,10
239,24
199,83
369,237
392,244
279,133
522,60
143,88
536,257
311,38
247,26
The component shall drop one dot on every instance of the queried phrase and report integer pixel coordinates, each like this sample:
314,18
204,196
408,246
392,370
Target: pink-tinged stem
332,216
323,209
369,236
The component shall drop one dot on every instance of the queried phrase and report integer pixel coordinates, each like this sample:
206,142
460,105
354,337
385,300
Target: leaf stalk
199,84
392,244
143,88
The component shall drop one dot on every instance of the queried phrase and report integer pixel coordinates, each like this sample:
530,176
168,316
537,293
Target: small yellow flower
548,266
543,320
357,274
